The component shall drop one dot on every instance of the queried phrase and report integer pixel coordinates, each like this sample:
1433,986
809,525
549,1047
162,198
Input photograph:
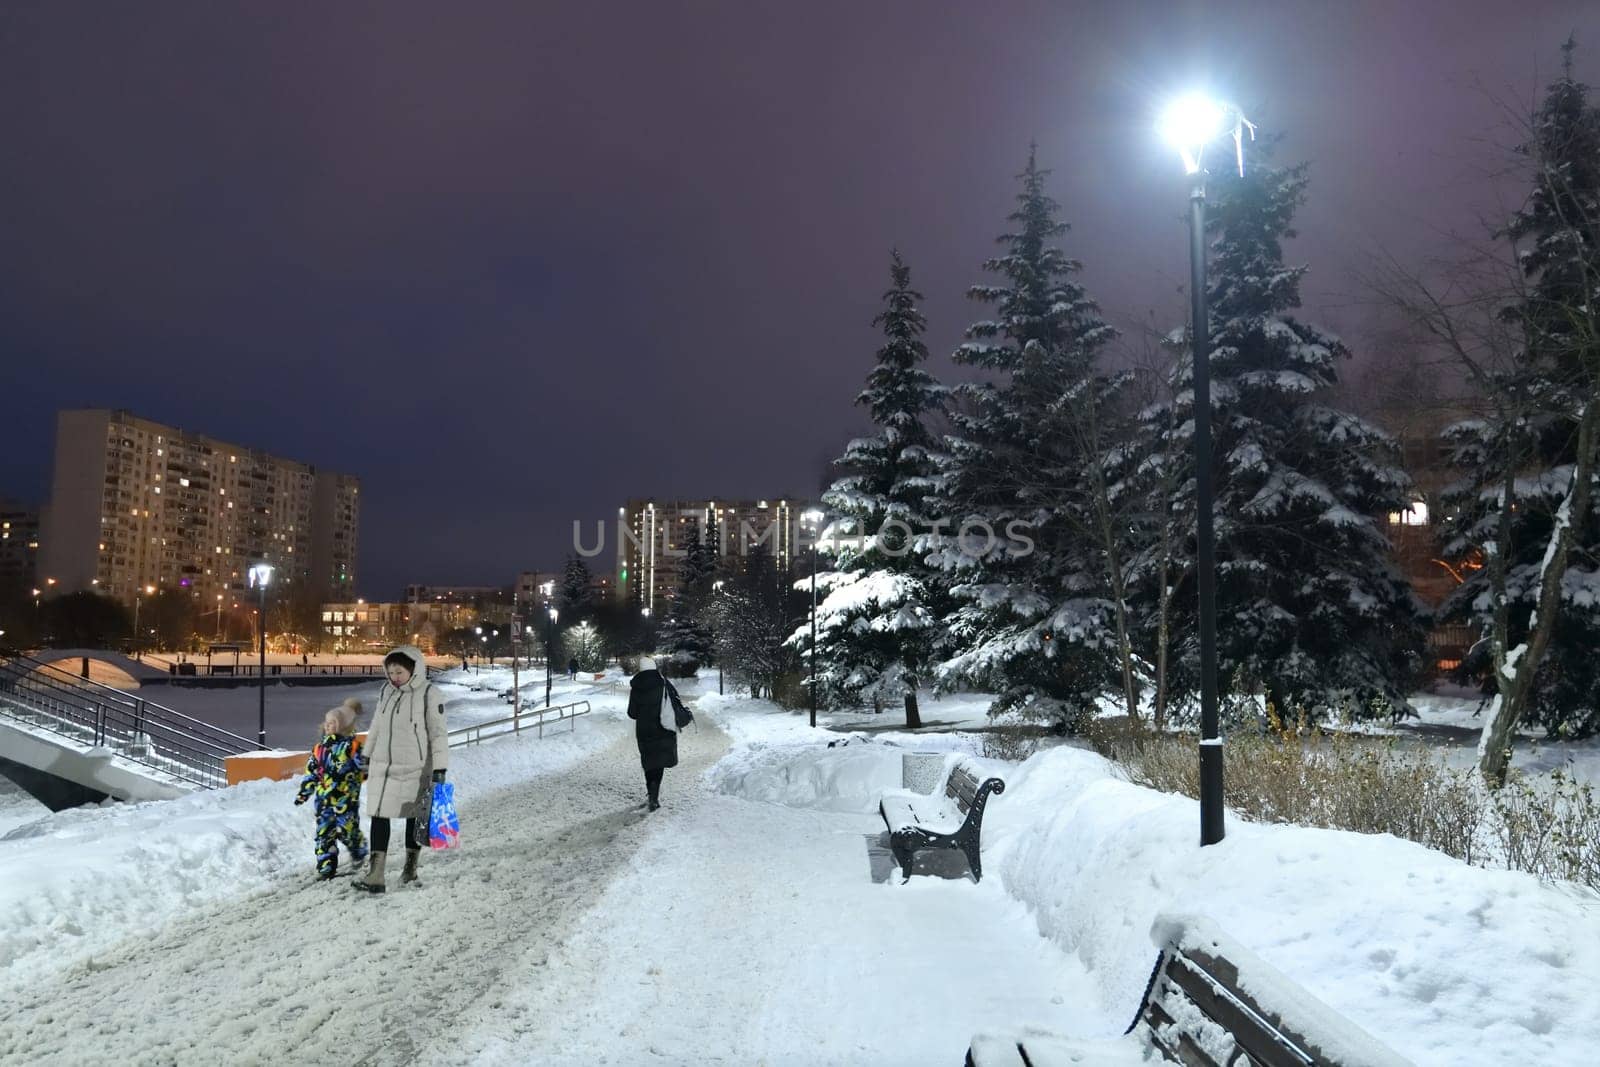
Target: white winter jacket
405,745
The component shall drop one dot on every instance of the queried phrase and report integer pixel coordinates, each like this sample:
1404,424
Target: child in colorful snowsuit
333,776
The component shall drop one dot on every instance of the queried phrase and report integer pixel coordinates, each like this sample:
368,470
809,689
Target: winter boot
408,875
372,881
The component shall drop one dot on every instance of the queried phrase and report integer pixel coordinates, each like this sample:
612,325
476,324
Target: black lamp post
549,651
260,578
1190,125
716,590
814,518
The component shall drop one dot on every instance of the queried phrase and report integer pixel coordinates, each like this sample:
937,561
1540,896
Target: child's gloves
299,801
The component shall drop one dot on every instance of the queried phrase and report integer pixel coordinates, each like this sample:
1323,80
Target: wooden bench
1210,1002
951,818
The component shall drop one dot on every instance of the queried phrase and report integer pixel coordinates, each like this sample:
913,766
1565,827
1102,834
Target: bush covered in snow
1548,826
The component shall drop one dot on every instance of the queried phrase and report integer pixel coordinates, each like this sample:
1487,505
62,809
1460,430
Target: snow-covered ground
17,807
755,919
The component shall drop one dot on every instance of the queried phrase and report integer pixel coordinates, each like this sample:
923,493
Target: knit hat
398,657
342,719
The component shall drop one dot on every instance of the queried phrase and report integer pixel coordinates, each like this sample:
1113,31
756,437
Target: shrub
1013,742
1548,827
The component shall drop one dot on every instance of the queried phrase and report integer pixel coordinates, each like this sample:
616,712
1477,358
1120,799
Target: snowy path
313,970
751,933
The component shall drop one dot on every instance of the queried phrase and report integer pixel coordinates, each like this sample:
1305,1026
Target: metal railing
515,724
93,715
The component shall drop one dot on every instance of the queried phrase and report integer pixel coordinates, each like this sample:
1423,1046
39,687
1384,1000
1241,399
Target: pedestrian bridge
139,672
67,739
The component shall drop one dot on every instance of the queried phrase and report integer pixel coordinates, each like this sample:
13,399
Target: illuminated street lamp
148,590
1189,125
260,578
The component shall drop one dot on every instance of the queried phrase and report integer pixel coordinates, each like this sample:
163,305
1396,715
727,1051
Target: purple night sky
513,265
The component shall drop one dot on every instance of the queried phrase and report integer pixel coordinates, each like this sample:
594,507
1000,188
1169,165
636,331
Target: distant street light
138,594
1189,125
260,578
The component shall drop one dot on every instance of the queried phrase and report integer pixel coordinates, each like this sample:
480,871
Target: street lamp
716,590
814,518
138,593
549,652
260,578
1189,125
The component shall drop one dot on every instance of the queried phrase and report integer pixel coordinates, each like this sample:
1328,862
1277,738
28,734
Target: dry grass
1013,742
1549,827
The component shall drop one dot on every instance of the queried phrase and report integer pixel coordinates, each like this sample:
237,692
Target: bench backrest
1198,1012
964,787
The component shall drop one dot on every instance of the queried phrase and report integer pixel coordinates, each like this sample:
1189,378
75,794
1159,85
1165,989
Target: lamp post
1189,125
814,518
716,590
260,578
138,594
549,652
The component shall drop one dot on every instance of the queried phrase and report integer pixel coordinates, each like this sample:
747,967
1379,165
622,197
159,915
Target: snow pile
81,880
849,777
1437,959
17,808
780,759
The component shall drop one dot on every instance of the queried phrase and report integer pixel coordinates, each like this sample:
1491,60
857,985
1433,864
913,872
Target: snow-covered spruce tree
1526,505
1311,611
875,629
575,594
685,637
1034,621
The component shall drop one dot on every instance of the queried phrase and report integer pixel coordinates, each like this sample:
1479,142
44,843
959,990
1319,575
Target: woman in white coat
406,751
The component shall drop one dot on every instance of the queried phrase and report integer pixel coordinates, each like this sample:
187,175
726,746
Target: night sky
512,264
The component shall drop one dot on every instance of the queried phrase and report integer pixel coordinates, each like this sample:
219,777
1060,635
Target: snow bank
1437,959
779,759
848,778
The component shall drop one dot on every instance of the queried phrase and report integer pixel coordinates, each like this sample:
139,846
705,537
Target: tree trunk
1163,639
913,715
1516,668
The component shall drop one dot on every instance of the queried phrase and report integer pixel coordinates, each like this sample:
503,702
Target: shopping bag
444,828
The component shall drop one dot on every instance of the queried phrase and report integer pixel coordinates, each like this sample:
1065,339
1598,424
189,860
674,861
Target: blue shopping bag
444,828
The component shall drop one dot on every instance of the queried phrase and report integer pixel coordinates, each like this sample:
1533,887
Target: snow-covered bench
948,818
1210,1002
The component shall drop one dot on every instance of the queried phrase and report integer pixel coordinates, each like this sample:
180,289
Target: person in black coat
657,715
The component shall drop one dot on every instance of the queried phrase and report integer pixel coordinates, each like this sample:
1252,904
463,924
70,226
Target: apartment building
651,535
136,503
362,626
19,545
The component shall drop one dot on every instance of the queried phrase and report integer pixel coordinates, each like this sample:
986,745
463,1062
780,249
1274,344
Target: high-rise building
652,534
135,503
19,544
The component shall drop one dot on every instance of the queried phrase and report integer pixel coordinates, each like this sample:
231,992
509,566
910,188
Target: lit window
1415,515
